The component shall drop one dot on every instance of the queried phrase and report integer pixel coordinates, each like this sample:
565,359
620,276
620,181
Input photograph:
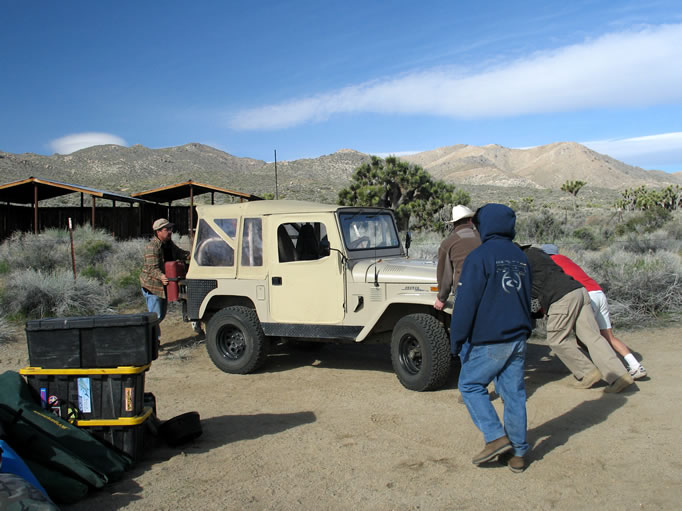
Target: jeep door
306,279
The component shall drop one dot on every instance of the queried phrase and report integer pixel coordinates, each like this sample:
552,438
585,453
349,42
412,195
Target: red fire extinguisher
175,271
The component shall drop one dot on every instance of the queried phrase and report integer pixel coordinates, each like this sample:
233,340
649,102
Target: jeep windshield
369,230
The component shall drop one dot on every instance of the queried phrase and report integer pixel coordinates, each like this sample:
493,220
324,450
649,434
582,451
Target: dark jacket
550,283
451,255
493,295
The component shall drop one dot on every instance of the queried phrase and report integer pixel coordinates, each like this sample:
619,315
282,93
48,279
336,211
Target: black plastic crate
129,435
89,393
93,341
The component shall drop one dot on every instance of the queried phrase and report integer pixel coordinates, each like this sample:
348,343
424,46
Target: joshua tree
573,187
408,189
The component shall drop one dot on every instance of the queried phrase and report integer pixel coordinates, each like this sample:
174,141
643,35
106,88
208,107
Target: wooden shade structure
189,190
33,190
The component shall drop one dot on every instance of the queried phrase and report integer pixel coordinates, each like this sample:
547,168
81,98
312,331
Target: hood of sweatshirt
495,221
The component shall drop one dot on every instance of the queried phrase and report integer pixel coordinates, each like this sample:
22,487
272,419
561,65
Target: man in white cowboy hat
453,251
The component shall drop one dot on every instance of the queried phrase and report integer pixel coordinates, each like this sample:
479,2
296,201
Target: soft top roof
276,207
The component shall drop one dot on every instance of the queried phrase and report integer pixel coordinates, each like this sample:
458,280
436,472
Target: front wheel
420,352
235,340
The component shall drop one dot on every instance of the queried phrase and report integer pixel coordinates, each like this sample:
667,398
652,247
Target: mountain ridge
137,168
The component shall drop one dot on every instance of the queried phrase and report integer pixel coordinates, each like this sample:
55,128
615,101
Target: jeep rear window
362,231
211,249
252,242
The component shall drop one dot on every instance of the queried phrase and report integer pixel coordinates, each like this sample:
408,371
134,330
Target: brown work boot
620,384
516,464
492,449
588,380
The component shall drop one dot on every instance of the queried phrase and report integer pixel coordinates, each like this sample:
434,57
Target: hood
395,270
496,220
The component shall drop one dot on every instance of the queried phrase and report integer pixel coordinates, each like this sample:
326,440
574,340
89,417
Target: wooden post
92,215
191,211
73,252
35,208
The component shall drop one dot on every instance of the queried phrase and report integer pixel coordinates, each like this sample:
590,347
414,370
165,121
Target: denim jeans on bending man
503,363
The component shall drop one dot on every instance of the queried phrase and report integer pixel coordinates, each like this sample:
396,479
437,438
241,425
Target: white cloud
649,151
630,69
76,141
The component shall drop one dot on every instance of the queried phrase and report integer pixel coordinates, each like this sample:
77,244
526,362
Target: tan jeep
266,270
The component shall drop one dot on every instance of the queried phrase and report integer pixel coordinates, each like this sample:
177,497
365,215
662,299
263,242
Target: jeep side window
211,249
301,241
252,242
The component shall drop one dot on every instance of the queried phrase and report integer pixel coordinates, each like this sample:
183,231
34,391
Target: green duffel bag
38,435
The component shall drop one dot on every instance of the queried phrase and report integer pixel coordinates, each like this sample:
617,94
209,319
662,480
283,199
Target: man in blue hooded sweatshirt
491,321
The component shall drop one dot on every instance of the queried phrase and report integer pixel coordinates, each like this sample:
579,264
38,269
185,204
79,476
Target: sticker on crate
84,403
129,399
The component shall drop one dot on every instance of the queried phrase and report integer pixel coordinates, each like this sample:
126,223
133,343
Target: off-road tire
420,352
235,340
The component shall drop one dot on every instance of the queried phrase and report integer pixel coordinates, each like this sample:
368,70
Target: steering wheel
356,244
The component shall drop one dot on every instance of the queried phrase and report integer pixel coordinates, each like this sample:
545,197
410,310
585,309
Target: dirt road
333,429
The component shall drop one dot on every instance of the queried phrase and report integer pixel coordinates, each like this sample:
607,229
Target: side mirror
408,241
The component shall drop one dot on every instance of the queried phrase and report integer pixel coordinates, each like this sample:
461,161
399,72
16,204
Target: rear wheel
420,352
235,340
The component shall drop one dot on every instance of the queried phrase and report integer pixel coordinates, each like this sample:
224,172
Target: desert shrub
646,244
45,251
541,227
115,265
640,287
35,294
95,272
92,246
586,238
6,331
124,266
646,222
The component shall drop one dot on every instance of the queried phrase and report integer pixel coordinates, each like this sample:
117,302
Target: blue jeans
502,363
156,304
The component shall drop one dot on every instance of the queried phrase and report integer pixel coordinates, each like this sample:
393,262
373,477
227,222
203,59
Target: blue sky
307,78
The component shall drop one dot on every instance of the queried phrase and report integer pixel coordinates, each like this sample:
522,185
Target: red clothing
573,270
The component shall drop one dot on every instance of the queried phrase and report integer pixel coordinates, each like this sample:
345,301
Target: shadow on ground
554,433
217,431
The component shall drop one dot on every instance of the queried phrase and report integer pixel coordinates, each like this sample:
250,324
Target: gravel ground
332,428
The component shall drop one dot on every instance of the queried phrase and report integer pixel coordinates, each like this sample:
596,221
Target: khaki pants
574,310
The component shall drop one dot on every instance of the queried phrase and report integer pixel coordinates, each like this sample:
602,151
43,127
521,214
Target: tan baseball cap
161,223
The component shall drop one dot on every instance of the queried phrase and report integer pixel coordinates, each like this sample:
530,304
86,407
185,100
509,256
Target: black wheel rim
230,342
410,353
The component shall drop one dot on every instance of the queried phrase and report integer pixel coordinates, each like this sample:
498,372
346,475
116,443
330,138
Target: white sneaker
638,373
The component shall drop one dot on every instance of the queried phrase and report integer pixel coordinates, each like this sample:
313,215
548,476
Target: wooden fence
124,222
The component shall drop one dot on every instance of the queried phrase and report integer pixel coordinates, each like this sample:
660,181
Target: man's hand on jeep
438,305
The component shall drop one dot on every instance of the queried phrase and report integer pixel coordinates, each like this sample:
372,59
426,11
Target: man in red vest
600,306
